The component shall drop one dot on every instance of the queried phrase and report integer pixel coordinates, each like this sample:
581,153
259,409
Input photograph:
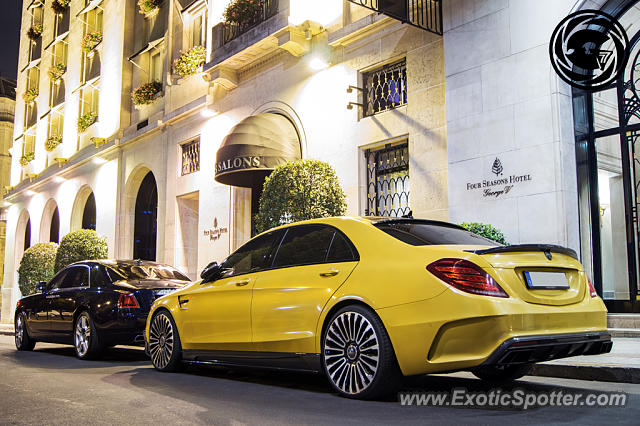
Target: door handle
182,301
330,273
242,283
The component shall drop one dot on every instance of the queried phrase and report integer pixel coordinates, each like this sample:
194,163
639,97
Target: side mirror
210,271
41,286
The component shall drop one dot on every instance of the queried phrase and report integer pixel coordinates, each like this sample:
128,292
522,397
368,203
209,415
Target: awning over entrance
254,147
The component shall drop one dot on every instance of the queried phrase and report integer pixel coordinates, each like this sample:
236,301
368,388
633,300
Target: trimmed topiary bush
485,230
300,190
36,265
84,244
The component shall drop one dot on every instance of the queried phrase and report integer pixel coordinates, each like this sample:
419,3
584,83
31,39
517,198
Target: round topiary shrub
300,190
84,244
485,230
36,265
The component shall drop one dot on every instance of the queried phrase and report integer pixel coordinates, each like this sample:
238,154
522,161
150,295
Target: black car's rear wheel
23,341
85,337
357,354
502,373
164,342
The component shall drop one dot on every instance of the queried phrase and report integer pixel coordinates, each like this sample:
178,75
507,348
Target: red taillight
18,304
592,289
127,300
466,276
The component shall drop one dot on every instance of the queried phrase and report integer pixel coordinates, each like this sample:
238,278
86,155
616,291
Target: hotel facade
454,115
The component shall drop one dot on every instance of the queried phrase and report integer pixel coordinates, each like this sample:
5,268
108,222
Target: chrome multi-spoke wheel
23,341
19,331
164,344
351,352
82,335
85,337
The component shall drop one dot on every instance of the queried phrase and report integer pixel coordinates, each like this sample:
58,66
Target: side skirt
269,360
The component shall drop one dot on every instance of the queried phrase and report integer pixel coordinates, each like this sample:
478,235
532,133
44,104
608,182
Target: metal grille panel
385,88
388,181
424,14
191,157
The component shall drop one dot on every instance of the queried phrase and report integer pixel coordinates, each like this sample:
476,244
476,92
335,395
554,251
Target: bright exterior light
316,63
99,161
59,179
29,193
208,113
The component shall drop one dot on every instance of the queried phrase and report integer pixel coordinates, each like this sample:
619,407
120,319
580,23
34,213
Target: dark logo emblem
497,167
589,49
548,255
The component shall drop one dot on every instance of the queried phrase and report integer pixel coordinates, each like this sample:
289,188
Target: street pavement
51,386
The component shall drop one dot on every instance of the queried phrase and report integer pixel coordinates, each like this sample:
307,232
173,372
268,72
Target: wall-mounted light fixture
61,161
98,161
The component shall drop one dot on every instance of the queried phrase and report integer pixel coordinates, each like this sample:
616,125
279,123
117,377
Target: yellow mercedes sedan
368,300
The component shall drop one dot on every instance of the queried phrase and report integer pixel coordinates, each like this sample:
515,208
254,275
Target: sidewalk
621,365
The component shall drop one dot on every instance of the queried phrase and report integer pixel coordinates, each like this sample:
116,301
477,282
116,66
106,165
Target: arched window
27,234
146,217
54,229
89,214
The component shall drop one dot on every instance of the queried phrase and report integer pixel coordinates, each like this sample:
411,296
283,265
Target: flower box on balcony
27,158
52,143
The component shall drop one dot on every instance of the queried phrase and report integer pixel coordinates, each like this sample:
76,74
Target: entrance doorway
146,220
607,128
187,234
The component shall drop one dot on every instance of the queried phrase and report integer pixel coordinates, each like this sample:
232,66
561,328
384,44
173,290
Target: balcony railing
232,31
425,14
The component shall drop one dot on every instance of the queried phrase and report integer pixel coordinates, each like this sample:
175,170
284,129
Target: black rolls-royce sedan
94,304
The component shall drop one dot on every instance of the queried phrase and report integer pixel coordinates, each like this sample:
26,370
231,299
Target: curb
6,332
587,372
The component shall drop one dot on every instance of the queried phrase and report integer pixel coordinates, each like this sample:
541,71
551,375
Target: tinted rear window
122,271
425,234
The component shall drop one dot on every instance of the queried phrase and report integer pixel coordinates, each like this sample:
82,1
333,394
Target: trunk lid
511,263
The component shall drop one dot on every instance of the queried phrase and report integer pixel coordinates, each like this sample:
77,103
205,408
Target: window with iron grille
385,88
190,157
388,181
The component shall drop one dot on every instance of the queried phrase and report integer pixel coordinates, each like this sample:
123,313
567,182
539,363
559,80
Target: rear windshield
121,272
425,234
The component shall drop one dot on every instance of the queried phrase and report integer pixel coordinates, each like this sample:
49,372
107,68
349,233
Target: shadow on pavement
64,357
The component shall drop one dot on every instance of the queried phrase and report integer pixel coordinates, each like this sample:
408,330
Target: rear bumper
529,349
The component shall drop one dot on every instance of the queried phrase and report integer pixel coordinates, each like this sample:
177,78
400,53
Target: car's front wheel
502,373
24,342
357,354
164,344
85,337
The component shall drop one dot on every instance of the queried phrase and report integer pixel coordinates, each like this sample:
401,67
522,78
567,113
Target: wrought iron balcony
425,14
232,31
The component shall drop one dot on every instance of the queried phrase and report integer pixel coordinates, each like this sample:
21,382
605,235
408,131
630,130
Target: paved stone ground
51,386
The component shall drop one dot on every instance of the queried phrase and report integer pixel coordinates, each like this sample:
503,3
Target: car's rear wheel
24,342
85,337
502,373
357,354
164,345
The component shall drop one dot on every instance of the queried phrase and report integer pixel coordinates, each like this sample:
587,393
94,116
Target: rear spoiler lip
527,247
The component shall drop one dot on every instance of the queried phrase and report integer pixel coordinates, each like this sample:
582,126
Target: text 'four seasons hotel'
157,125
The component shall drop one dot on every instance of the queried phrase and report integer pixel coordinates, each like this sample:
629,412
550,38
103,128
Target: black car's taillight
466,276
127,300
